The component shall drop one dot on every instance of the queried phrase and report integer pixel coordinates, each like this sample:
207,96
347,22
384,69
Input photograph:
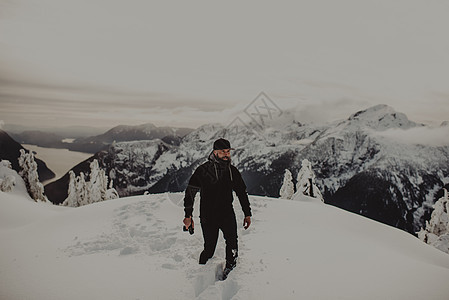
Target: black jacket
216,179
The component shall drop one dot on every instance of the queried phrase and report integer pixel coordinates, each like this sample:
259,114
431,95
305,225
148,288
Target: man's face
224,154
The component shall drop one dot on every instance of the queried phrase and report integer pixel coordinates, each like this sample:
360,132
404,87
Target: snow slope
134,248
17,208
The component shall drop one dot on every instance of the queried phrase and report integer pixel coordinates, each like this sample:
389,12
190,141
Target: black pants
211,227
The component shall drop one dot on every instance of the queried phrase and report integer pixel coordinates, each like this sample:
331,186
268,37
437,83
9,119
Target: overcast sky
187,63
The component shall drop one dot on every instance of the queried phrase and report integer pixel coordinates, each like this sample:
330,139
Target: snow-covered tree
97,184
7,182
30,176
436,232
306,181
82,192
111,192
287,188
6,164
72,197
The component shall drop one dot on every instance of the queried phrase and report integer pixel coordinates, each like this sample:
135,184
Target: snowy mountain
376,163
10,150
380,117
134,248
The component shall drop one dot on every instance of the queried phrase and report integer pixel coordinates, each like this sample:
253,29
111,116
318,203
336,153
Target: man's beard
225,159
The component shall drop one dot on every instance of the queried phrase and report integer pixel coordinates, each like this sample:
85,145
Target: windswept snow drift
134,248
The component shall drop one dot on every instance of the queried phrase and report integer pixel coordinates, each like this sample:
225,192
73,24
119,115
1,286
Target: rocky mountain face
10,150
364,170
359,164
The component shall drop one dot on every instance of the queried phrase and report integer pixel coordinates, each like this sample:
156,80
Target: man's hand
246,222
187,222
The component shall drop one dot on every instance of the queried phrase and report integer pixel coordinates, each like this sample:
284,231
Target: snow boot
228,268
226,272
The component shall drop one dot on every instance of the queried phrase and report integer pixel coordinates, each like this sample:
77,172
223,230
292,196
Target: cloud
438,136
139,60
31,103
328,110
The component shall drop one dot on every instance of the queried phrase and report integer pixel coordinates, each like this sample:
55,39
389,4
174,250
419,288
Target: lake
60,161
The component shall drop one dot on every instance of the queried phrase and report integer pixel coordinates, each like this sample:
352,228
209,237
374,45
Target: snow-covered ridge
134,248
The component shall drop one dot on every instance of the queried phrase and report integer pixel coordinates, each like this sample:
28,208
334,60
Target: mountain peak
381,117
374,111
120,128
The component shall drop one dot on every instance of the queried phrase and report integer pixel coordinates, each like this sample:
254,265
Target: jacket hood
215,159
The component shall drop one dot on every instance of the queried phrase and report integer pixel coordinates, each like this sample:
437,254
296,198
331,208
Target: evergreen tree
436,232
30,176
8,182
287,189
96,185
72,197
98,182
5,163
306,181
111,192
82,192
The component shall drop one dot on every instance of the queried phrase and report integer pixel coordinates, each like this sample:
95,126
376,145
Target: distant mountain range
124,133
93,144
40,138
360,165
63,131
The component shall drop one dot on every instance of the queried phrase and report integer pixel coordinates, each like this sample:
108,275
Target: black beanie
221,144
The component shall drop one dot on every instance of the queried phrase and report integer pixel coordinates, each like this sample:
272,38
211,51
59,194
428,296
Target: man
216,179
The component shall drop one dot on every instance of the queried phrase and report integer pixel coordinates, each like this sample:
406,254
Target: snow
17,208
17,211
68,140
134,248
381,117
